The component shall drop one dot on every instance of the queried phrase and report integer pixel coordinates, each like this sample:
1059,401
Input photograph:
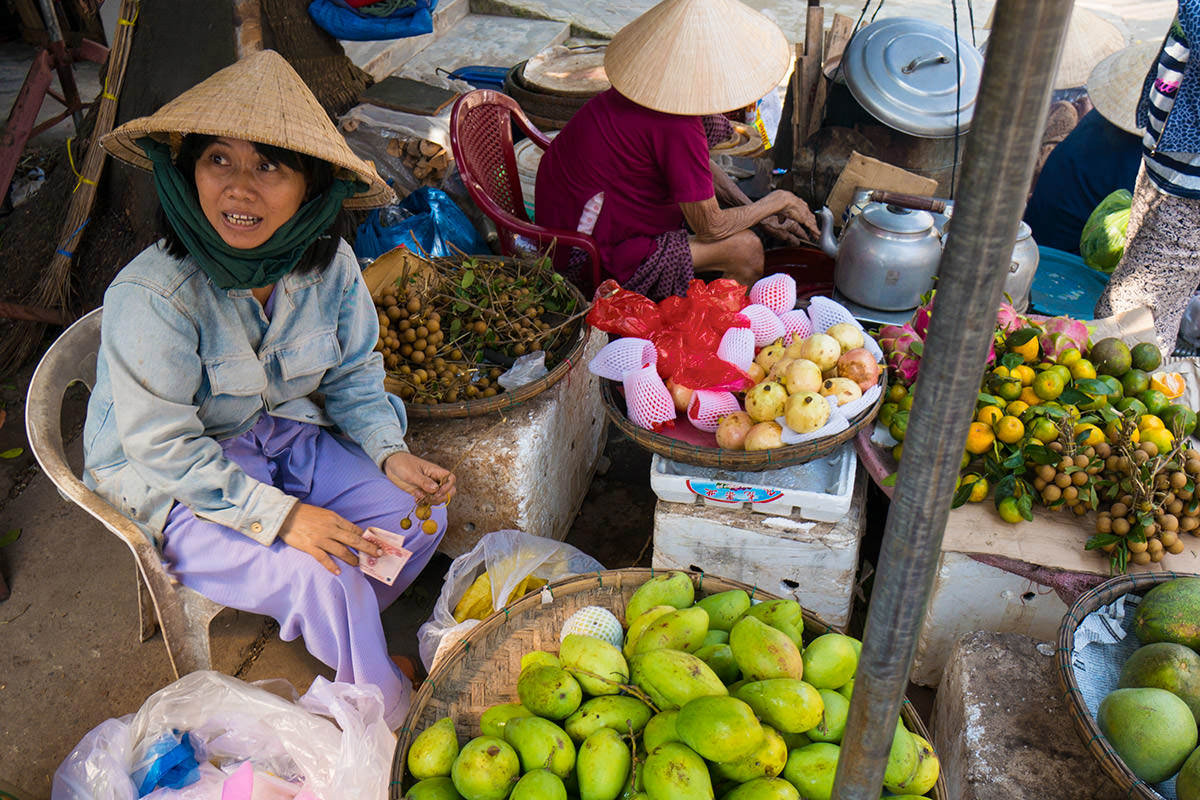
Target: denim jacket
184,364
1181,131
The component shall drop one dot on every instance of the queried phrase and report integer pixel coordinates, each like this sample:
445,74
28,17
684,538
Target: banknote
386,567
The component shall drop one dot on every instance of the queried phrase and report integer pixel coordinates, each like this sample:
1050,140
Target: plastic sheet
434,226
345,23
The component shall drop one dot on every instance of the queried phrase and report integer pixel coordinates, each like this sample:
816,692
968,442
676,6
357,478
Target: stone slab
382,57
527,468
480,39
972,596
813,562
1001,727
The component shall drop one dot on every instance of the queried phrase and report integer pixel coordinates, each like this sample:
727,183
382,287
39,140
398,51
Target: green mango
714,636
833,721
432,753
764,652
541,744
811,770
673,589
903,759
487,768
846,690
724,608
633,787
603,765
441,788
639,624
764,789
830,661
539,658
549,692
928,768
684,629
784,615
620,713
660,730
719,728
493,720
671,677
675,772
794,740
539,784
720,658
597,665
766,761
786,704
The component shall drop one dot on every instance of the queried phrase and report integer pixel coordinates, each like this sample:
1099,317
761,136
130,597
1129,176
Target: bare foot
407,666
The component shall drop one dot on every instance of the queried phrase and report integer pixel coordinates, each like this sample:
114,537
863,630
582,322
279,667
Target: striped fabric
1173,173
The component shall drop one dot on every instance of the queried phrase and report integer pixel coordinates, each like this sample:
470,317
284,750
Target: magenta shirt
646,163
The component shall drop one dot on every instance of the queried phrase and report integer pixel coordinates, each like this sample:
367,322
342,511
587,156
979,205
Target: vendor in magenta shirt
633,165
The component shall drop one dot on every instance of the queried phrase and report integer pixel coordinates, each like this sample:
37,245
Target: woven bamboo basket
1082,719
748,460
482,670
388,267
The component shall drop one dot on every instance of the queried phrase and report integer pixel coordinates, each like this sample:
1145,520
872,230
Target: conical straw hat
1090,39
1115,85
260,99
697,57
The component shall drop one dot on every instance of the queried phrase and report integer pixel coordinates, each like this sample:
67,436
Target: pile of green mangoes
715,697
1151,718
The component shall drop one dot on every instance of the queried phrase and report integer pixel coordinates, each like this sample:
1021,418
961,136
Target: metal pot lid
1024,231
902,71
895,219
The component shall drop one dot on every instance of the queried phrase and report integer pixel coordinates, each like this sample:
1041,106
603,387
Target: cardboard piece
871,173
408,95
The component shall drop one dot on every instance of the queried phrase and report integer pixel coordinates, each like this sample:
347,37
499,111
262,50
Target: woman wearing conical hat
639,150
204,426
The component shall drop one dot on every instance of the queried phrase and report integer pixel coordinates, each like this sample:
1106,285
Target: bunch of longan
1068,483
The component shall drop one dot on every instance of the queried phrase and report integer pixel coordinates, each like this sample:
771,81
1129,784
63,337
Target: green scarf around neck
231,267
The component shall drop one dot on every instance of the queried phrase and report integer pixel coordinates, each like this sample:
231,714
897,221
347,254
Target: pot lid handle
924,61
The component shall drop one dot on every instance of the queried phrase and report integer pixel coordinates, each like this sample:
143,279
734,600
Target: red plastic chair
481,138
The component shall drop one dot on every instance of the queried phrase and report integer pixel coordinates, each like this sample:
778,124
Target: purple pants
338,615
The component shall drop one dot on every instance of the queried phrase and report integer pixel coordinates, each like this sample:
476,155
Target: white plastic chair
182,614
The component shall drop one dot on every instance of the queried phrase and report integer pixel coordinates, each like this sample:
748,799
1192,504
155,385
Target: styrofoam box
818,490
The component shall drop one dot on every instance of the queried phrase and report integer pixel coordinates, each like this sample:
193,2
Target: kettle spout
828,243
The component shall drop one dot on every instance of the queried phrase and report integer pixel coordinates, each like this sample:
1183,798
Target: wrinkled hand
423,479
322,533
796,209
786,230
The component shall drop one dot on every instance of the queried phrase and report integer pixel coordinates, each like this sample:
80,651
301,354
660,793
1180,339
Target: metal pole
1005,138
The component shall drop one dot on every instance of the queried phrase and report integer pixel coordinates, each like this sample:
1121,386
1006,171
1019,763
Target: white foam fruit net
648,402
796,321
777,292
594,621
824,313
737,347
706,408
837,423
621,356
765,324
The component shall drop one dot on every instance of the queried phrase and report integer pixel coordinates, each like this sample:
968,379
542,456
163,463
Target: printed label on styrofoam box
732,493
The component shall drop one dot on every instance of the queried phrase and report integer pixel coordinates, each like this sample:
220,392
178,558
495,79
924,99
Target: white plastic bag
509,557
234,721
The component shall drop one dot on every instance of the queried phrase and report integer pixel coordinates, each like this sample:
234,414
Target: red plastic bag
723,293
624,313
706,371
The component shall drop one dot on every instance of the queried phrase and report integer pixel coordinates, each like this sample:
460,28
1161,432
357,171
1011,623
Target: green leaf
10,537
1006,487
889,480
468,279
1025,505
1011,360
1014,462
1092,386
460,307
917,349
1101,540
1040,454
12,453
455,325
1071,396
1021,337
991,400
961,494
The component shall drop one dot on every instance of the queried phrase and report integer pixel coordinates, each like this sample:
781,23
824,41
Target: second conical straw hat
261,99
1115,85
1090,38
697,57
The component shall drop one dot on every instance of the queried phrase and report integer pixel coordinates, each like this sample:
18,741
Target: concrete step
382,58
481,39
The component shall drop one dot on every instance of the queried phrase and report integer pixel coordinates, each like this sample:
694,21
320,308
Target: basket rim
754,460
1084,723
506,401
564,586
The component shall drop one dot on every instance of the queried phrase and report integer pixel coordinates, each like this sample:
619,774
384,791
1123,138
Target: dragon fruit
921,317
1062,333
902,347
1008,320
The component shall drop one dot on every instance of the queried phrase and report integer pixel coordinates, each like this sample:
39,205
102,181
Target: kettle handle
909,201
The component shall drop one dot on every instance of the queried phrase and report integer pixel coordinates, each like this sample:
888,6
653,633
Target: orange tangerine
1163,439
1150,422
1169,383
979,487
989,414
1113,429
1094,434
1009,510
1024,373
1069,356
1083,369
1029,396
1043,429
1049,384
1009,429
1016,408
979,438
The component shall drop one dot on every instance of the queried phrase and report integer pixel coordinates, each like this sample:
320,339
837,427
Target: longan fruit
490,391
1103,524
1168,522
1179,479
418,356
406,350
1081,460
405,523
429,527
1174,507
1120,526
419,343
1051,493
1149,448
1079,478
1102,450
1062,480
1141,456
1168,538
1119,509
422,332
1046,472
1136,547
393,312
1039,483
1141,558
413,305
1079,509
422,511
1176,547
404,325
433,325
1189,524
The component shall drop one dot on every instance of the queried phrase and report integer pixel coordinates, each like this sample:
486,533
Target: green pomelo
1152,730
1145,356
1110,356
1134,383
487,768
1187,785
1165,665
1170,612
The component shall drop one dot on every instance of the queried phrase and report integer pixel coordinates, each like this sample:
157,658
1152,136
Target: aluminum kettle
887,256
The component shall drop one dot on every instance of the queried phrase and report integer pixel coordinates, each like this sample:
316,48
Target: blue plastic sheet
434,226
170,762
345,23
1065,286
